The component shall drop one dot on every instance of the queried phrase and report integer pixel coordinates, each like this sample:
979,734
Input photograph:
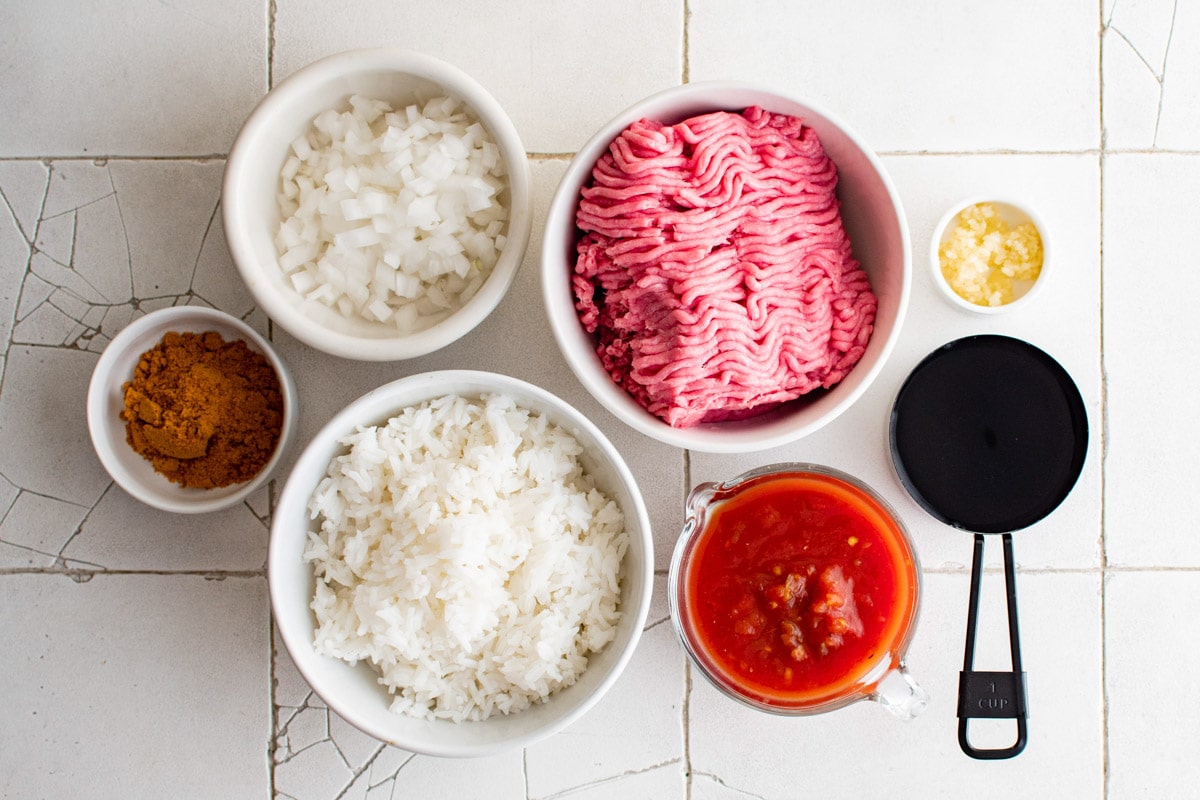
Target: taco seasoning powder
205,412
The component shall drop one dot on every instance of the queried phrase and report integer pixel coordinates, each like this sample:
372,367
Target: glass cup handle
900,694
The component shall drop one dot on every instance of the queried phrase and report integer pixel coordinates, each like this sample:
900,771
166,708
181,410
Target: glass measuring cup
794,590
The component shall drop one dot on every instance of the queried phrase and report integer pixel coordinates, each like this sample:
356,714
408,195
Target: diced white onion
393,215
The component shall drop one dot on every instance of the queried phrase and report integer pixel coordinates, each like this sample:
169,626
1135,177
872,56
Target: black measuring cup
989,434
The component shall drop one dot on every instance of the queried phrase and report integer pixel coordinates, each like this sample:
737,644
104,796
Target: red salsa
798,586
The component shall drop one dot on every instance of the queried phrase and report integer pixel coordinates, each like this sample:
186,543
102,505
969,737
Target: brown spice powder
205,412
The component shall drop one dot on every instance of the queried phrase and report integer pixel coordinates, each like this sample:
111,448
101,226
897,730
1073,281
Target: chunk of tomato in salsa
798,586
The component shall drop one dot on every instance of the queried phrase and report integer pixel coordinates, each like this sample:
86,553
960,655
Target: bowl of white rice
377,204
460,563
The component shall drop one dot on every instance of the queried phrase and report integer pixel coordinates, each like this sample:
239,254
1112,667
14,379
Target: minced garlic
984,257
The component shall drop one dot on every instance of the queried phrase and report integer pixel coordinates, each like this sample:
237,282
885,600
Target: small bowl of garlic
989,254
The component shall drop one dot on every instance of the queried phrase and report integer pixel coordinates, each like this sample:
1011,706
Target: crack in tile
70,268
33,293
718,780
32,493
203,241
612,779
74,210
77,566
62,556
1163,80
654,624
280,722
362,769
30,306
583,787
1157,75
28,549
283,742
59,563
394,774
305,704
16,219
84,332
264,518
16,492
124,229
25,274
1160,73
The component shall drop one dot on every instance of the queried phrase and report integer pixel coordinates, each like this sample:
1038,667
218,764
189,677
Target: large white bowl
874,221
354,692
250,210
106,401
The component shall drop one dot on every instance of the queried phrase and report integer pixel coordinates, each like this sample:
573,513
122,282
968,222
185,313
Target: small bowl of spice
190,409
989,255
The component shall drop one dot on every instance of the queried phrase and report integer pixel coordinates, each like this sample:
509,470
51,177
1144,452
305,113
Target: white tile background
138,658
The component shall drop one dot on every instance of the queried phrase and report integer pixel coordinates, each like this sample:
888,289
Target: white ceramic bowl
353,691
252,182
874,221
106,400
1013,213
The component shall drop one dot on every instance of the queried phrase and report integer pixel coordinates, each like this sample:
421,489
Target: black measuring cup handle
992,695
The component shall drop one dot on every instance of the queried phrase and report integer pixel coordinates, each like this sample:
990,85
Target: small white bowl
1011,212
106,400
250,210
353,691
873,218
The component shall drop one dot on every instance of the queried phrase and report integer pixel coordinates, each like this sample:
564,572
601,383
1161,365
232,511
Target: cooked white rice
467,555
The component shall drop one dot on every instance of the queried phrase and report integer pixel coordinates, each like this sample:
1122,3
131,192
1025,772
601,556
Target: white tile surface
134,686
128,78
1151,75
945,77
598,752
863,751
1152,454
1152,730
560,72
120,533
115,122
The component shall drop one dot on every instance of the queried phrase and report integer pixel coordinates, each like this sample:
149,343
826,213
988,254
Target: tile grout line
88,574
272,10
1104,567
273,709
1107,570
206,158
685,711
686,68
